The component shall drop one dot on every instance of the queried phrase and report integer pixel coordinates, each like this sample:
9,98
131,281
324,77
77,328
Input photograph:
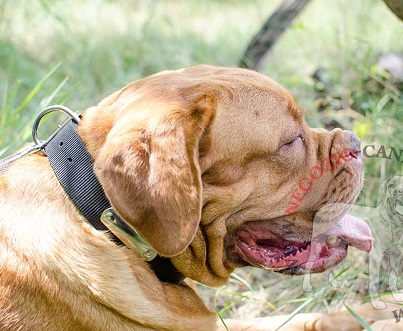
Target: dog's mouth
399,207
258,244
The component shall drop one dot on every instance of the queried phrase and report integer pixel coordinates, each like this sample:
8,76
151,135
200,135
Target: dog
201,162
389,240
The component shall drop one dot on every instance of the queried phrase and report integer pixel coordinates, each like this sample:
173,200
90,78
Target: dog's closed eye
291,143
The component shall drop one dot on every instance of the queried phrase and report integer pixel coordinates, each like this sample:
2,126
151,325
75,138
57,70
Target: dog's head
217,169
392,189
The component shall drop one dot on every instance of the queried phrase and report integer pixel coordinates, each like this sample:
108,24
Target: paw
378,304
307,287
398,296
335,282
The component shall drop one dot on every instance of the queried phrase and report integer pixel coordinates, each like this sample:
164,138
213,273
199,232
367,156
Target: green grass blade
243,281
35,90
7,105
227,307
358,317
222,321
296,311
10,115
46,102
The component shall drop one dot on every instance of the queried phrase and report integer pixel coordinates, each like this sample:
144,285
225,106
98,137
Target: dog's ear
149,167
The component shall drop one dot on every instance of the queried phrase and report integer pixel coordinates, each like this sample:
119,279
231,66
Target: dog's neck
165,270
73,167
393,219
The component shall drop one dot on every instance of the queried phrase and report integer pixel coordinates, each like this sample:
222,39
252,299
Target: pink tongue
354,232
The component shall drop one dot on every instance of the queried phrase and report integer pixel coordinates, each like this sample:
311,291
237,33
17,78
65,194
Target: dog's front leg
134,293
300,322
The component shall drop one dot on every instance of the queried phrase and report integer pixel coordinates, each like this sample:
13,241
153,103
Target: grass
14,128
75,54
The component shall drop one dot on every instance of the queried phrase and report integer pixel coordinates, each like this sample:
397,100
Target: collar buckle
127,234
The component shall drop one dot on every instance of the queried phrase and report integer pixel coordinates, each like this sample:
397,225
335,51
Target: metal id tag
127,234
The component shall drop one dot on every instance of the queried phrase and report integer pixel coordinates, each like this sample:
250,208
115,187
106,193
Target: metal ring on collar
47,110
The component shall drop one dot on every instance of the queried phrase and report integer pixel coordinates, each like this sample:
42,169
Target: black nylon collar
73,167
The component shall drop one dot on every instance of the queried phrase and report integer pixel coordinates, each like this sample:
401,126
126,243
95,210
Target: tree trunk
270,32
396,6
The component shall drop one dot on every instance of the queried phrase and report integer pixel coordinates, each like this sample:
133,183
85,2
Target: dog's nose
355,142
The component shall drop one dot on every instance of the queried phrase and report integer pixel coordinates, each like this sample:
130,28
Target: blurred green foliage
100,45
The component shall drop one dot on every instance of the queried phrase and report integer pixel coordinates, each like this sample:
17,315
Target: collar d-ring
74,116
